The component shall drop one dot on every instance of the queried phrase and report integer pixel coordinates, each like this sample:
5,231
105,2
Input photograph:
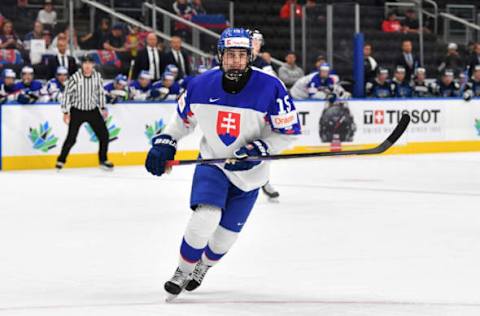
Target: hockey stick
387,143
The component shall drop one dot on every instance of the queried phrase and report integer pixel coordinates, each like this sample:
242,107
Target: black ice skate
106,165
270,191
59,165
197,276
176,284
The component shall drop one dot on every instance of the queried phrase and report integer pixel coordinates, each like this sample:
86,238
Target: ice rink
386,235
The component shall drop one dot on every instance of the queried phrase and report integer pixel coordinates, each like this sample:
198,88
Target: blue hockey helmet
235,38
9,73
121,79
172,68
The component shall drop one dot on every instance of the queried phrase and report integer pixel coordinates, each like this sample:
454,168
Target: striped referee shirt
84,93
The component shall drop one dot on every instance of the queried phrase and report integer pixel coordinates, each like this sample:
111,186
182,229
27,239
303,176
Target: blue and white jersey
52,91
170,93
33,88
137,92
261,110
8,93
113,95
313,87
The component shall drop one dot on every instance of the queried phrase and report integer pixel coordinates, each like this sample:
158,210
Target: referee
84,101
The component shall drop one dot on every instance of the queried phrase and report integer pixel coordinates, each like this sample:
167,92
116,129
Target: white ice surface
391,235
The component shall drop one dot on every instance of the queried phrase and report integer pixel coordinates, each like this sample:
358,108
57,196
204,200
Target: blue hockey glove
256,149
163,148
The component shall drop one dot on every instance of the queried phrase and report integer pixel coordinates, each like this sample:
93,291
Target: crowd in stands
145,68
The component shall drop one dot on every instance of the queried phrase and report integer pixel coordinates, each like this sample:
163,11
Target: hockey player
472,88
29,88
53,90
141,88
241,112
258,61
117,90
8,88
318,85
421,88
381,87
401,86
446,86
165,89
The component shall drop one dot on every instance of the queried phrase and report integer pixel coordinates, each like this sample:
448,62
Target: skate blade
273,200
171,297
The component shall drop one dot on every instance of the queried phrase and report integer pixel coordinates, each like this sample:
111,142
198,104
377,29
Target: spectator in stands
178,57
8,88
198,8
407,59
391,24
289,72
28,88
150,59
36,33
135,40
446,86
370,65
285,10
452,60
66,35
8,39
53,90
117,90
381,87
183,9
115,41
474,60
401,86
47,16
141,89
410,24
47,37
96,39
472,88
421,88
2,19
61,58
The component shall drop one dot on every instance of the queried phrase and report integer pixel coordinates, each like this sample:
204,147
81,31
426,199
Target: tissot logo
384,117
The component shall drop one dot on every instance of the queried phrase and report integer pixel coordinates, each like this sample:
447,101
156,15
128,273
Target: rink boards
32,135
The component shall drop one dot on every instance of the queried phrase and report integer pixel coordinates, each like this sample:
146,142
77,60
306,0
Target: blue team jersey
109,87
34,86
174,89
136,85
263,110
317,84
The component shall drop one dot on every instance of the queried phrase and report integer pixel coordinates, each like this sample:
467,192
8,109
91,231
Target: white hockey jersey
261,110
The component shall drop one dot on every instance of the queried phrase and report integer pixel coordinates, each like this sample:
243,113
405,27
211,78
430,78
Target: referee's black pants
95,119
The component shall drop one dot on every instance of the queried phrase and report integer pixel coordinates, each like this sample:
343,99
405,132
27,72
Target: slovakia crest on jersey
228,126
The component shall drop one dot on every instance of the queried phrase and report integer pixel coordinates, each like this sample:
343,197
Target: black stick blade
400,129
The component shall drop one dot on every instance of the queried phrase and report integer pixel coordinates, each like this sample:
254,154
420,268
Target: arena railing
134,22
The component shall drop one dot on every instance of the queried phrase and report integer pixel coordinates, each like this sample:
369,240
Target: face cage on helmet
235,74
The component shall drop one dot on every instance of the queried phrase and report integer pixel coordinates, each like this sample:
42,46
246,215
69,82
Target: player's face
421,76
118,86
27,77
382,77
9,81
324,73
62,78
447,80
400,76
167,83
235,59
476,75
144,82
257,45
